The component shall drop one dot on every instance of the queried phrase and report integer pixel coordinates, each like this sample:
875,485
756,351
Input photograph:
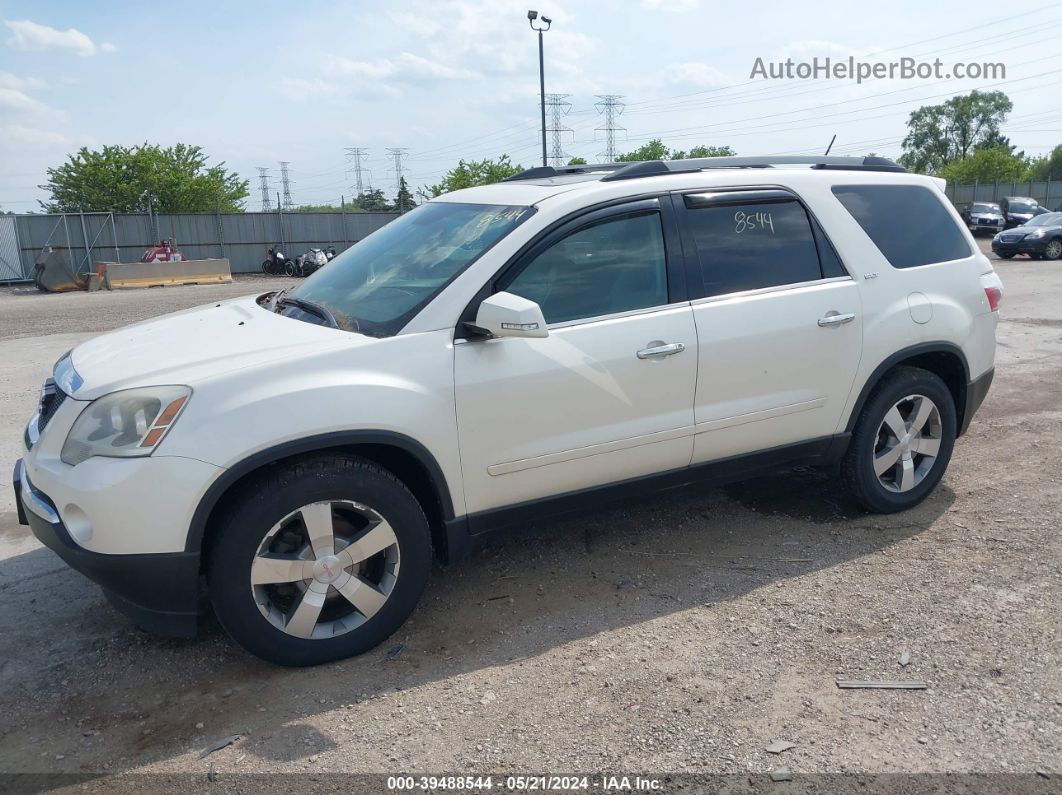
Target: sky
259,83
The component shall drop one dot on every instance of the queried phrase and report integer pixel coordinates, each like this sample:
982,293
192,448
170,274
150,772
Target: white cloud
695,74
8,80
18,100
671,5
107,47
379,77
33,36
33,137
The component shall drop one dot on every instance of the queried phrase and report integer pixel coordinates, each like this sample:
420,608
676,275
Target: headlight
125,424
1037,233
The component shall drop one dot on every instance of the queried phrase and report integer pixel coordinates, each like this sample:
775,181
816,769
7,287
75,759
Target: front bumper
159,591
1026,246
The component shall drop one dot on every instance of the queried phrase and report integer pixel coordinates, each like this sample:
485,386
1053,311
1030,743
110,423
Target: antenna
828,148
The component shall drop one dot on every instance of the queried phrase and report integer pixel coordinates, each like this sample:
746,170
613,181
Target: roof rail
542,172
647,168
651,168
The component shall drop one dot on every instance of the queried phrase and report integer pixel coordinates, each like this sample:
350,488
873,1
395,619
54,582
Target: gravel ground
683,634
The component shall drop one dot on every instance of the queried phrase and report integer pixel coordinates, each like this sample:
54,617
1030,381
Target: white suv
501,352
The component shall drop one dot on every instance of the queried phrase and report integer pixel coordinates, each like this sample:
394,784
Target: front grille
1010,238
52,398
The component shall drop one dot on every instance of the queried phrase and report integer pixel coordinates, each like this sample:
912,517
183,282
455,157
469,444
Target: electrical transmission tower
263,184
354,155
397,154
285,184
610,107
558,107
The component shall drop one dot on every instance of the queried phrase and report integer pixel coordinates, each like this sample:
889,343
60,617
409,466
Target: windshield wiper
308,306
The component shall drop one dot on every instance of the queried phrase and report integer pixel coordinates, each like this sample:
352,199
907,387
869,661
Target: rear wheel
902,441
319,560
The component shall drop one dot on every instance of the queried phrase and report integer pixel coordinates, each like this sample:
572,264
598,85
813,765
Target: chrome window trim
766,290
616,315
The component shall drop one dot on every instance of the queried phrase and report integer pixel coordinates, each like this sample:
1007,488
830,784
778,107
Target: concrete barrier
120,275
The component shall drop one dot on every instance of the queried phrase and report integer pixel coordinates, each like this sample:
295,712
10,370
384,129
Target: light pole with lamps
543,27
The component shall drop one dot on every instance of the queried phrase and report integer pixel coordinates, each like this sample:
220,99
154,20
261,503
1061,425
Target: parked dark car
1017,210
1041,238
982,216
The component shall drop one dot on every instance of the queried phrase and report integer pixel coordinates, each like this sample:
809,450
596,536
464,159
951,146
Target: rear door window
908,223
757,244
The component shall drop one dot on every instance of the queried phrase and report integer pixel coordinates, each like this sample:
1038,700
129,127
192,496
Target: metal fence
87,238
1048,193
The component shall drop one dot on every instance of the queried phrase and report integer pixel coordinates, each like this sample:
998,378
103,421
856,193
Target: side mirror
508,315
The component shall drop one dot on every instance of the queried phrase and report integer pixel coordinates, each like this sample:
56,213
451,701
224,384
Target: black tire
251,513
266,265
857,469
1053,250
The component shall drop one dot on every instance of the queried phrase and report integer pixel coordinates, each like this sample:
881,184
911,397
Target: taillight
995,297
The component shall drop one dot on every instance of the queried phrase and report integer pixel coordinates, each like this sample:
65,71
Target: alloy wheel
325,569
908,443
1053,250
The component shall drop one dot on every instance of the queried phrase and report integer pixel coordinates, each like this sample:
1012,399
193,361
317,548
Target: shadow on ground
555,583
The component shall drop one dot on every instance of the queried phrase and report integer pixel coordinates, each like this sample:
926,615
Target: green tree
174,179
986,165
404,201
1047,167
940,134
655,150
373,201
577,161
469,173
317,208
704,151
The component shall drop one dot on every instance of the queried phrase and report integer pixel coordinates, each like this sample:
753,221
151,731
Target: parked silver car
983,217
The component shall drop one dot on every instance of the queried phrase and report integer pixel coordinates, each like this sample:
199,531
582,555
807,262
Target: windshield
376,286
1021,205
1047,219
980,207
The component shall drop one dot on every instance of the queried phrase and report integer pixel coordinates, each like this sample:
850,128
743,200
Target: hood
196,344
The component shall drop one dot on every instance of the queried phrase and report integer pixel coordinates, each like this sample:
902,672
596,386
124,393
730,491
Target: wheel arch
403,456
944,359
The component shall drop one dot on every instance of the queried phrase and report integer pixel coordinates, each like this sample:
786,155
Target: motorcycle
275,263
305,264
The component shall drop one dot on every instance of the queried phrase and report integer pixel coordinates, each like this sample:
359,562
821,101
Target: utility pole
610,107
285,184
397,154
542,28
263,185
354,155
559,107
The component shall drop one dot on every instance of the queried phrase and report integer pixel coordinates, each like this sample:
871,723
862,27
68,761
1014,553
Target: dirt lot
684,634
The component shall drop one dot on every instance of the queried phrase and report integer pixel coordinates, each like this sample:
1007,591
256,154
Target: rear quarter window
908,223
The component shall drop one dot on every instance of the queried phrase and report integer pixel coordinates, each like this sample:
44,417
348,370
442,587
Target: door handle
661,350
834,318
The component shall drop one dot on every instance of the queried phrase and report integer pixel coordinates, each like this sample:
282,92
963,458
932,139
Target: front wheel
319,560
1053,250
902,441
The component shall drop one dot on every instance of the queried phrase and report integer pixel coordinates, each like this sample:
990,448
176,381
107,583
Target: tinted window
984,208
908,223
615,265
749,246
